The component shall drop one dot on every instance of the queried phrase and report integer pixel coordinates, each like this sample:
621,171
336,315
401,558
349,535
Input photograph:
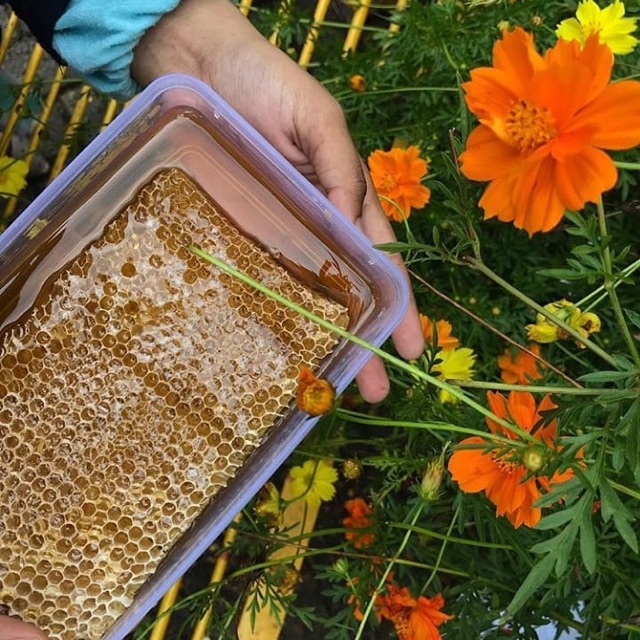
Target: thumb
12,629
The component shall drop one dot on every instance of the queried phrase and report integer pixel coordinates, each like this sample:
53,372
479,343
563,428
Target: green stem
622,489
482,268
624,273
441,536
367,612
343,333
360,418
432,575
609,285
634,166
621,624
383,92
570,391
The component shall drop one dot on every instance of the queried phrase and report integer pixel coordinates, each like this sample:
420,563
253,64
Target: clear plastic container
176,124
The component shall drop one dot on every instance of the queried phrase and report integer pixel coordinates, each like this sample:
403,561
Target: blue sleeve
97,39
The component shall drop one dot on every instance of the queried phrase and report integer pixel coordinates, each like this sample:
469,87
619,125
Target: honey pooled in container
130,394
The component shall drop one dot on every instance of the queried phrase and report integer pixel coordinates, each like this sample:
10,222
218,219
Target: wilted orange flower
357,83
501,476
359,518
315,395
443,329
544,121
413,618
520,367
396,175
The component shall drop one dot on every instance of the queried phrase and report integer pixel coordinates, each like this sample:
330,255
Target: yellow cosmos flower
612,27
313,482
455,364
13,176
545,331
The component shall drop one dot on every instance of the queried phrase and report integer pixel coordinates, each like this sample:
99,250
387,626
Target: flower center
388,183
402,626
505,465
529,126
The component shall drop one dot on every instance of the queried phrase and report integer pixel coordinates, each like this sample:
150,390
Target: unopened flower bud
533,458
351,469
341,567
431,481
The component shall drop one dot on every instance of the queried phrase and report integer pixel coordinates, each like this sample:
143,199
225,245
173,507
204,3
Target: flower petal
486,156
584,178
472,469
614,116
536,203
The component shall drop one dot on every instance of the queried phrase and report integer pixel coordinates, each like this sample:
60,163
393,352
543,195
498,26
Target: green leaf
587,540
605,376
622,254
583,249
559,492
561,274
634,317
623,363
617,457
536,578
613,396
576,264
591,261
563,552
560,517
611,503
547,546
632,450
626,531
395,247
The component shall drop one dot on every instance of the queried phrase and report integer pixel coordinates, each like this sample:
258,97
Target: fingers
372,381
407,338
12,629
334,158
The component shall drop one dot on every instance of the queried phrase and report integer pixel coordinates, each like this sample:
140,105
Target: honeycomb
130,394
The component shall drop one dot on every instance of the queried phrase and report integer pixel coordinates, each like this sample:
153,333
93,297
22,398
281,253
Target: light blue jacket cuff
97,39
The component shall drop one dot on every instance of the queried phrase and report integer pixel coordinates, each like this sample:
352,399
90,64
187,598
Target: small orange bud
357,83
315,395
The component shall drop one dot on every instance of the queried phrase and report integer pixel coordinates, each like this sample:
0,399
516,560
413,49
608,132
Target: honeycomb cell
130,395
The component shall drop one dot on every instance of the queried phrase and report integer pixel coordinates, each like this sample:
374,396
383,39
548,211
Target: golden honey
130,394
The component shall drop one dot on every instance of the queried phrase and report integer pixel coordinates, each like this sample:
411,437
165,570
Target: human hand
12,629
211,40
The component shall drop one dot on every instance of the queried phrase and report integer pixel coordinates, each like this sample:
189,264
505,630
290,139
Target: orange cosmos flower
315,395
359,518
396,175
443,328
501,476
521,367
413,618
544,121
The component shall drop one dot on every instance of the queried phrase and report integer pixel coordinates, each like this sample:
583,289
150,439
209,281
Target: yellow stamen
388,183
529,126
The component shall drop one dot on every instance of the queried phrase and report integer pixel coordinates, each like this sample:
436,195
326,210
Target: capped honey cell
131,394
